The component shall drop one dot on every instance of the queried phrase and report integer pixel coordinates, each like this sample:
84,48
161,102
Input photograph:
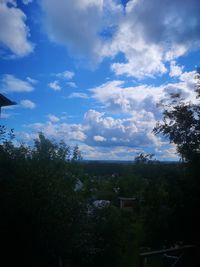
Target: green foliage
143,158
46,221
181,124
41,214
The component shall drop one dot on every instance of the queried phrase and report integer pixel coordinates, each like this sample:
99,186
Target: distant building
4,101
129,203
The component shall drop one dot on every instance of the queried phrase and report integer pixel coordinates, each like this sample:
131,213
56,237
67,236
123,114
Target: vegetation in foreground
47,195
48,217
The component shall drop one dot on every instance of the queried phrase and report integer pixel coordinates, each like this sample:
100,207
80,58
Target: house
129,203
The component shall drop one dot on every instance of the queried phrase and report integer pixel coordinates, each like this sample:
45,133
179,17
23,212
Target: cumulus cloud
126,123
118,98
9,83
64,131
14,32
98,129
27,104
176,22
175,70
53,118
55,85
148,34
141,58
139,104
102,130
63,27
134,130
68,75
185,87
154,32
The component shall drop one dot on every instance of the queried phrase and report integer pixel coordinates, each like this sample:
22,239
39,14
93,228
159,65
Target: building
128,203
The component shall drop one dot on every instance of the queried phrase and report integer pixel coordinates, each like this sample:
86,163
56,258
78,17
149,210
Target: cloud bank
14,32
149,34
126,120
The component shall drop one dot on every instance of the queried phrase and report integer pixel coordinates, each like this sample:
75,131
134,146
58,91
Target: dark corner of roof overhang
4,101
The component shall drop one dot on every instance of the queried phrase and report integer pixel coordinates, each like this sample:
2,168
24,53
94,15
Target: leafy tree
42,216
144,158
181,124
45,221
76,155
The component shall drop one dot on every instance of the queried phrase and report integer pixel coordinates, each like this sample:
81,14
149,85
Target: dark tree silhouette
181,124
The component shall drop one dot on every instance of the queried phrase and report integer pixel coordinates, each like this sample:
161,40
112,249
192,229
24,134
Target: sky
93,72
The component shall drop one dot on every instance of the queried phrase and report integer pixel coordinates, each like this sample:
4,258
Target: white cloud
26,137
141,58
126,123
154,32
27,104
9,83
64,131
53,118
148,34
102,130
92,146
175,70
185,86
99,138
72,84
120,99
63,26
68,75
139,105
167,152
78,95
55,85
117,98
97,129
14,32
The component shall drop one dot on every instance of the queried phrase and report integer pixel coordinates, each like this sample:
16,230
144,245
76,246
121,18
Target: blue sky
91,72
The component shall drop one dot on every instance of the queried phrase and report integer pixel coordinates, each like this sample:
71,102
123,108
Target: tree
41,214
181,124
144,158
76,155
